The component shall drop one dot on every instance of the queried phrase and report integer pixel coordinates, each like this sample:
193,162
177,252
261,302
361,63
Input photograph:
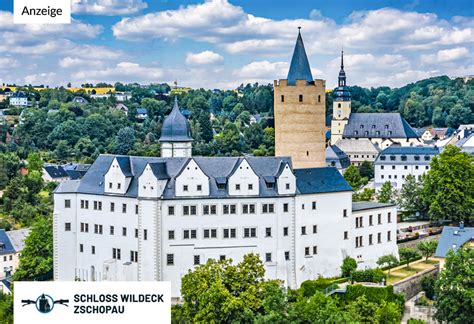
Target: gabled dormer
191,181
153,180
286,180
243,181
118,176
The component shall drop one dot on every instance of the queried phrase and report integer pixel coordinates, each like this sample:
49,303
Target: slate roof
363,205
299,67
336,155
363,146
366,125
218,169
319,180
55,171
394,154
142,111
6,246
17,238
453,238
176,127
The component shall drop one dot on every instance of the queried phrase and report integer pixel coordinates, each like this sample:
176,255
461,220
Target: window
358,222
111,230
237,186
136,209
379,237
197,260
92,249
346,235
315,229
124,231
381,167
393,157
250,232
119,185
268,208
221,186
229,233
379,219
344,213
189,234
248,209
285,231
416,167
268,257
136,232
170,259
170,235
97,205
393,167
209,209
250,186
229,209
314,205
115,253
370,239
315,249
382,157
306,251
282,98
124,208
404,158
199,187
268,231
427,167
112,207
81,248
301,98
110,185
285,207
133,256
427,157
210,233
185,188
97,229
67,203
389,217
287,255
189,210
370,220
405,167
303,230
319,98
85,227
145,234
358,241
222,257
417,158
84,204
287,186
67,227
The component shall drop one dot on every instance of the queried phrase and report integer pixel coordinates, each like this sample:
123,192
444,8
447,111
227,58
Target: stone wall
412,285
413,244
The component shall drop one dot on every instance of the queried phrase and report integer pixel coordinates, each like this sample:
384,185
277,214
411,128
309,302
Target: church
380,129
136,218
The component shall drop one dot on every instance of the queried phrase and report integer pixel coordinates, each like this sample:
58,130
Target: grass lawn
403,272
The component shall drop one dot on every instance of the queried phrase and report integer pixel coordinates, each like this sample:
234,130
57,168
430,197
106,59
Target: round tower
176,139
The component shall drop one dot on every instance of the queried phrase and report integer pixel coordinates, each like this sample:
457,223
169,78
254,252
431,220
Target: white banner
102,302
42,11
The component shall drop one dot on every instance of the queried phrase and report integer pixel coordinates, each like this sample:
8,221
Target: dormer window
221,186
373,126
392,157
427,157
366,133
389,132
377,133
271,185
356,132
417,158
404,157
386,126
185,187
361,126
382,157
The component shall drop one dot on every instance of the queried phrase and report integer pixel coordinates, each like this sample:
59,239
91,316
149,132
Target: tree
407,254
254,135
459,115
427,248
349,265
229,139
410,199
388,260
366,194
219,291
386,193
124,140
366,170
353,177
62,150
37,255
6,308
454,288
35,163
449,186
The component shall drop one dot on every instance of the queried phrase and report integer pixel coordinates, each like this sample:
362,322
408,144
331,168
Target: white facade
152,236
18,101
176,149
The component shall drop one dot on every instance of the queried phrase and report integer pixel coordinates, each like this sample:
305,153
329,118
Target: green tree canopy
349,265
427,248
387,193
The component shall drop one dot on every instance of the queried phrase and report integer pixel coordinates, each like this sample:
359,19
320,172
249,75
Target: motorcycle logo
44,303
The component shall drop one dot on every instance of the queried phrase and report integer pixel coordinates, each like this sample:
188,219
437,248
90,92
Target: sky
223,43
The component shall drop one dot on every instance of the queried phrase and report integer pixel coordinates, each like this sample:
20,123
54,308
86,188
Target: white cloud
8,62
122,72
204,58
452,54
108,7
41,78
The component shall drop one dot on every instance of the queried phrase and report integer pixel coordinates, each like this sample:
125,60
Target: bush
348,266
309,287
375,295
428,285
415,321
369,275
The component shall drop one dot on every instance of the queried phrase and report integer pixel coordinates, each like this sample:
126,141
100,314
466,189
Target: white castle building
155,218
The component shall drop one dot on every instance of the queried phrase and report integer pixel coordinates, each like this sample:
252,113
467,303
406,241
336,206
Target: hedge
368,275
374,294
309,287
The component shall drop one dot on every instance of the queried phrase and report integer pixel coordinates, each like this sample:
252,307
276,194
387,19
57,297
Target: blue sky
220,43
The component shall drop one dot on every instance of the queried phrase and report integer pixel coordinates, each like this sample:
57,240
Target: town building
395,163
382,129
156,218
453,238
336,158
60,173
467,144
299,109
121,107
142,113
79,100
359,151
11,245
431,134
19,99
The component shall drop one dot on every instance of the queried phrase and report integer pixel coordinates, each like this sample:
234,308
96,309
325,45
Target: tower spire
299,67
342,59
342,73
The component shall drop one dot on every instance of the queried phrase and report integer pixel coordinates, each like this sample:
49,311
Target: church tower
341,107
300,113
176,139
